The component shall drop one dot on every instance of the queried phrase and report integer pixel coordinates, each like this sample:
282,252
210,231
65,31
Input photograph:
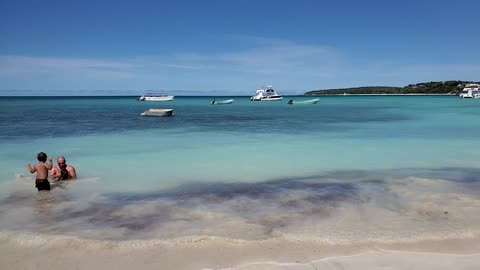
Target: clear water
125,159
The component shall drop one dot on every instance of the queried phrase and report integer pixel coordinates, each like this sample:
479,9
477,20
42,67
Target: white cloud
288,65
14,65
270,56
261,60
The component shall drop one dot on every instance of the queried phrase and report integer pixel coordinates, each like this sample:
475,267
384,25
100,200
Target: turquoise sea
248,170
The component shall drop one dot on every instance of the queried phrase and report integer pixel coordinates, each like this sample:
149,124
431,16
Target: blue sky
194,47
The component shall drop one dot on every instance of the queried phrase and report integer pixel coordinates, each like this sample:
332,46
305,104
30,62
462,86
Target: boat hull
158,112
220,102
310,101
163,98
474,96
266,99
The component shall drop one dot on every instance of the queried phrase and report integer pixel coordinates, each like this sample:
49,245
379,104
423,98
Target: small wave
377,259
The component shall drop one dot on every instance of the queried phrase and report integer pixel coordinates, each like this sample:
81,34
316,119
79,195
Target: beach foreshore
219,253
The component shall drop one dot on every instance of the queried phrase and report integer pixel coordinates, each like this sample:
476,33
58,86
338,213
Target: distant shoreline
413,94
419,89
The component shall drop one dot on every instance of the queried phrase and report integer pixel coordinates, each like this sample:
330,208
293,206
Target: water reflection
43,202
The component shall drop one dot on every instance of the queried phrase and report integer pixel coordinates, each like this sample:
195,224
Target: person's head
61,161
42,157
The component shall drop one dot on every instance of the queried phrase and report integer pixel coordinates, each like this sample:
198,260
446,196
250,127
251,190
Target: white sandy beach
407,223
37,252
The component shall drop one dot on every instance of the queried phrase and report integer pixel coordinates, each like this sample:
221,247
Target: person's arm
72,172
55,173
32,170
50,164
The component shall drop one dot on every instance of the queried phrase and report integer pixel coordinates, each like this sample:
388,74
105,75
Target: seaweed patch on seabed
339,205
215,208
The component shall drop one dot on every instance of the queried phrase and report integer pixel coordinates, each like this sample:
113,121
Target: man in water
63,171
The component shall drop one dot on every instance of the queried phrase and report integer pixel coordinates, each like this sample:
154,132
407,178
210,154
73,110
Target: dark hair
42,157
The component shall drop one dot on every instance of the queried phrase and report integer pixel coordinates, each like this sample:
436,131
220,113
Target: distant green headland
432,88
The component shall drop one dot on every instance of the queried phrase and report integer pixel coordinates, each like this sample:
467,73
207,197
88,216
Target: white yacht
151,96
266,94
470,91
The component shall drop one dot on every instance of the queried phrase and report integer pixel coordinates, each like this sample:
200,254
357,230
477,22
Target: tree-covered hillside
446,87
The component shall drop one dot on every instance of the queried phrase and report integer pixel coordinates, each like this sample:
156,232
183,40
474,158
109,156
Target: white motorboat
158,112
470,91
155,97
266,94
219,102
310,101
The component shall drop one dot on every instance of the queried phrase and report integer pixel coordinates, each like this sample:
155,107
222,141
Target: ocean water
354,168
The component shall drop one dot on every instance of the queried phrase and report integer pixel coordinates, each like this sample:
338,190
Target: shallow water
346,169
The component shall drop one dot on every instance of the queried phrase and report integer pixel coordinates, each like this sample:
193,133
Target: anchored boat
310,101
158,112
151,96
266,94
219,102
471,91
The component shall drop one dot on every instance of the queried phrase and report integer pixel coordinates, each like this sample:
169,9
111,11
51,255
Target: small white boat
218,102
471,91
310,101
155,97
158,112
266,94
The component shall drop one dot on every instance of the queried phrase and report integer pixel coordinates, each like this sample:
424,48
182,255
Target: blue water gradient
41,117
108,140
336,171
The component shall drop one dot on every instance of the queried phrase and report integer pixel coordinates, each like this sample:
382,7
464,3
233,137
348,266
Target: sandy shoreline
382,259
403,223
216,253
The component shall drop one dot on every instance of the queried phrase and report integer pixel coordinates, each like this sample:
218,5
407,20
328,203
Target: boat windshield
270,92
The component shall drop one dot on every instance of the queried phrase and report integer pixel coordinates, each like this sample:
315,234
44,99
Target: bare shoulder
71,171
45,165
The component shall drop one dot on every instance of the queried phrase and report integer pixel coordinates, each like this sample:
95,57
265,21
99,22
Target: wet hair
42,157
